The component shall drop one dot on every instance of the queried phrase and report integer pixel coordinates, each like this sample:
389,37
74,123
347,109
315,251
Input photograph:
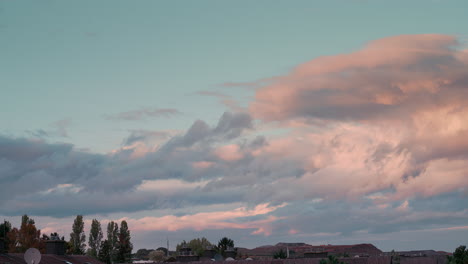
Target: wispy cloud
212,220
144,113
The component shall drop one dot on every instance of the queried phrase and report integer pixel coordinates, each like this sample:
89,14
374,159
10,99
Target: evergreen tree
124,246
224,244
112,238
460,256
95,238
104,252
78,237
5,228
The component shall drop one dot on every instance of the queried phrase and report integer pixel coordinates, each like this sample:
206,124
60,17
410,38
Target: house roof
18,258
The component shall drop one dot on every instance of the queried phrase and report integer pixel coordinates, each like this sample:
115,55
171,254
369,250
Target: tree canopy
198,245
26,237
112,237
124,245
78,237
95,239
5,228
460,256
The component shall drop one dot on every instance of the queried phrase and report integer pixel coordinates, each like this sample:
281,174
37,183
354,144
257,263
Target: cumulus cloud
373,141
393,115
34,171
391,78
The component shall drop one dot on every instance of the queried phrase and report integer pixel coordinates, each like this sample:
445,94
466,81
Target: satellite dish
32,256
218,257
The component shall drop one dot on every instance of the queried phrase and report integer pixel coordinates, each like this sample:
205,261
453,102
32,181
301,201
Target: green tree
157,255
224,244
124,246
78,237
460,256
5,228
331,260
280,254
95,238
143,253
112,238
395,257
104,252
198,245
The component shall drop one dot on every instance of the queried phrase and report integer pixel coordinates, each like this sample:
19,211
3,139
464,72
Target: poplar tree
124,246
78,237
112,238
95,239
104,252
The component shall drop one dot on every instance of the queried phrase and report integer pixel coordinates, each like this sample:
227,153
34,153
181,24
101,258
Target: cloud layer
379,135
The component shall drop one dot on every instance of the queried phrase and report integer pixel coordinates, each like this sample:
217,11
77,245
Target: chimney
55,247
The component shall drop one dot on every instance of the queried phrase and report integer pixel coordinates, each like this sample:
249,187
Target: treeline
197,247
116,247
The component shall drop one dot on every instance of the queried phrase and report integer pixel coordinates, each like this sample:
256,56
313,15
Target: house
55,254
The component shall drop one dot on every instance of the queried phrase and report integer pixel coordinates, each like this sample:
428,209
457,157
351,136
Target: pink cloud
392,115
202,164
211,220
229,152
390,77
293,231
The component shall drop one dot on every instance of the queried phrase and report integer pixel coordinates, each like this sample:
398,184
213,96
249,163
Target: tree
143,253
395,257
26,237
124,246
5,228
157,255
225,243
104,252
198,245
460,256
281,254
164,250
95,238
331,260
112,238
78,237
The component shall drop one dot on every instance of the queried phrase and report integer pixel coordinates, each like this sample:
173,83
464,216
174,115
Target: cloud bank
379,135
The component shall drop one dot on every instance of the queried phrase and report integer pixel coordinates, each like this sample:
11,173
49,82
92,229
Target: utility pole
167,238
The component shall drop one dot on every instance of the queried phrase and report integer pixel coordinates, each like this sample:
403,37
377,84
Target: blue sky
82,61
106,83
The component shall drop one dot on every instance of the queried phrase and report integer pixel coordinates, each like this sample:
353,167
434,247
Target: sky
325,122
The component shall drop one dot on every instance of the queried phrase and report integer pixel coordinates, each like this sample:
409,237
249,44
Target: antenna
32,256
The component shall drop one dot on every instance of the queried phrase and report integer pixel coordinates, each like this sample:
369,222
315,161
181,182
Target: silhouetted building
56,247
